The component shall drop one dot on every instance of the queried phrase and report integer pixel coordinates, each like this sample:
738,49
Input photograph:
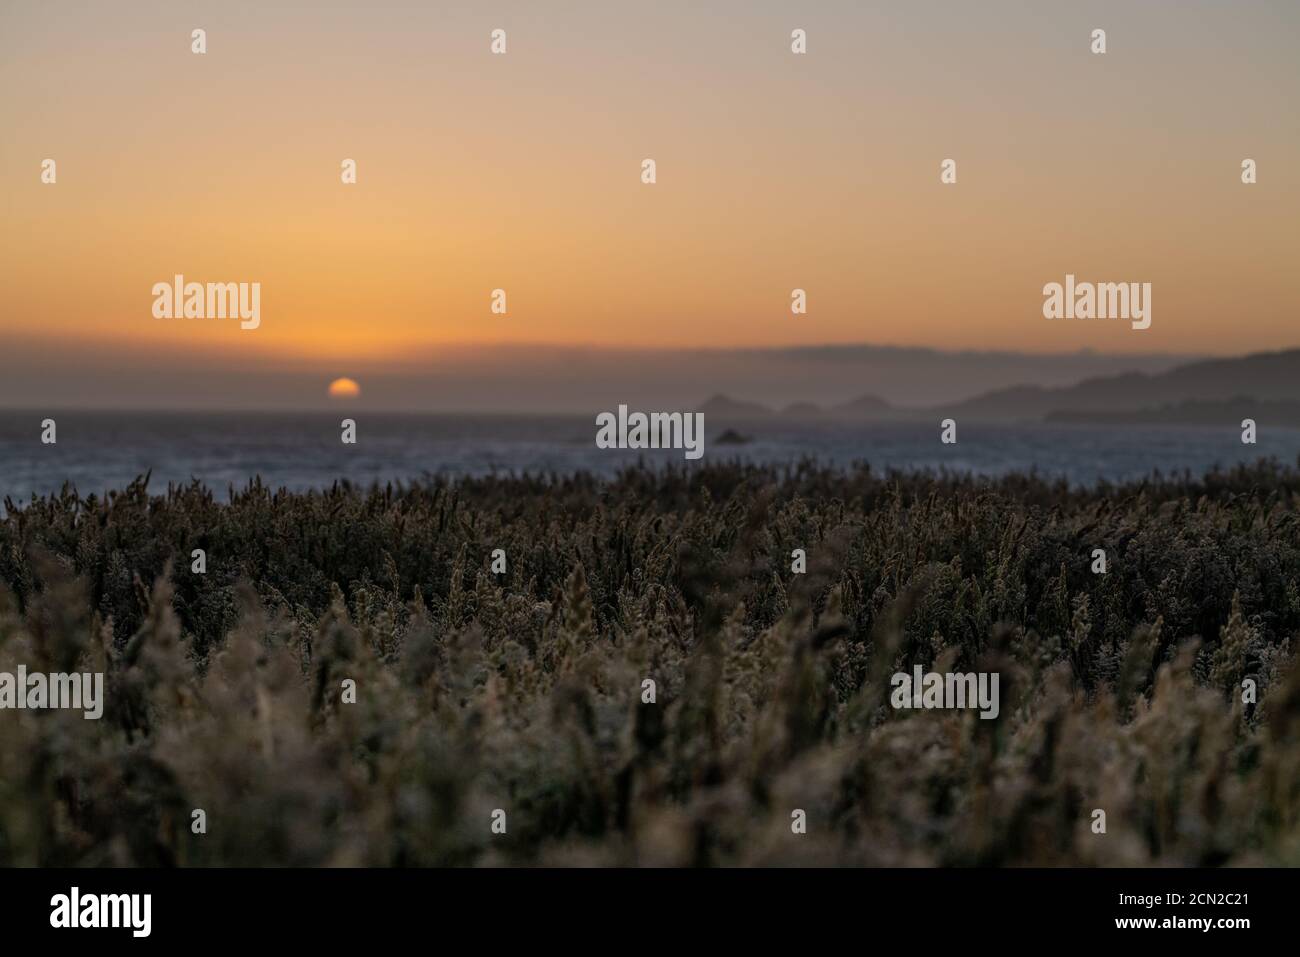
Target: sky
522,172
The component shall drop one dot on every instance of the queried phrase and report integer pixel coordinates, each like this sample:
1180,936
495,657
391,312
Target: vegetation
523,691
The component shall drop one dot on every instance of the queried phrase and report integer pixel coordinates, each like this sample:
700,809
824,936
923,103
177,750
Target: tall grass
523,691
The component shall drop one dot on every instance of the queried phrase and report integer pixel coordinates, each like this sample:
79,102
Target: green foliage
522,691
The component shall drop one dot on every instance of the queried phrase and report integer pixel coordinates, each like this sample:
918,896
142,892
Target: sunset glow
522,172
344,389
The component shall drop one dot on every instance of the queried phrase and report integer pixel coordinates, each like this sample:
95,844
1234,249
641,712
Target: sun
344,389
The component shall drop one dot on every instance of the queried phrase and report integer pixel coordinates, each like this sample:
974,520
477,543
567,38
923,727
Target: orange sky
775,171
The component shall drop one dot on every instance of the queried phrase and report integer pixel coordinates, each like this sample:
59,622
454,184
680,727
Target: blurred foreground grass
523,691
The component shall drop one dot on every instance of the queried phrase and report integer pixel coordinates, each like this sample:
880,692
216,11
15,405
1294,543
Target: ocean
99,451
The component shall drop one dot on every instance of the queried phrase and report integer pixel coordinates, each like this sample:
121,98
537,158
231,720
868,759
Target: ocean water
97,451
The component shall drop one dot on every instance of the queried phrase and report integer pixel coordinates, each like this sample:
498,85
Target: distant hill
726,408
1264,386
866,406
1228,413
803,410
1264,377
722,408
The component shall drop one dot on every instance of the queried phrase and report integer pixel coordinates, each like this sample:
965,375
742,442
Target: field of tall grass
523,691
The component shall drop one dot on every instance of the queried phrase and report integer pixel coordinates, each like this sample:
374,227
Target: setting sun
344,389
